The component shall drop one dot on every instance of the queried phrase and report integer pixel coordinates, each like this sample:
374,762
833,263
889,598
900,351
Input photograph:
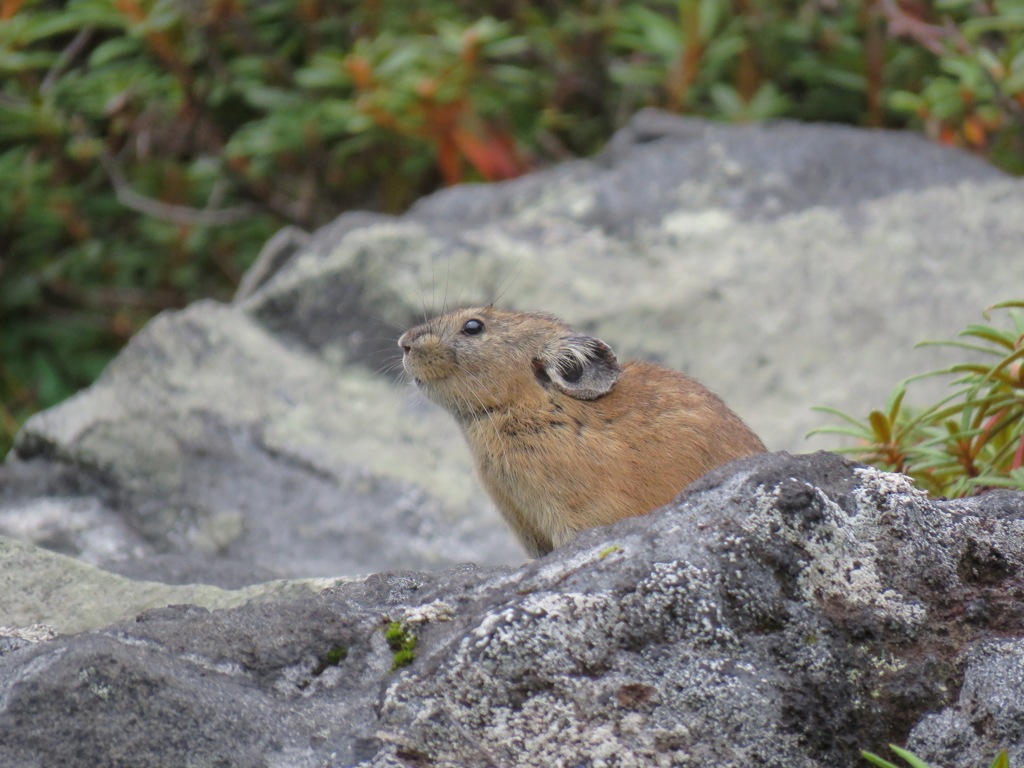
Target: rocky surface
40,587
209,438
785,265
989,711
785,611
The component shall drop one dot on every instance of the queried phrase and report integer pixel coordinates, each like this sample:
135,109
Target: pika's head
473,361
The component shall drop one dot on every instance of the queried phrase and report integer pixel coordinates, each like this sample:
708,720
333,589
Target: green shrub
149,147
976,99
971,440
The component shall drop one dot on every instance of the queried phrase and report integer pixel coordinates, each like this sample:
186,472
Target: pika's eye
472,327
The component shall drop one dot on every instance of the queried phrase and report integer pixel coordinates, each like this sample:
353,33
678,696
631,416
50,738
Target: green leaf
910,757
768,102
1005,304
728,101
1007,22
658,34
510,46
989,334
947,106
273,99
871,757
709,13
861,434
636,75
962,345
905,101
721,51
971,368
855,450
881,426
840,414
113,49
892,405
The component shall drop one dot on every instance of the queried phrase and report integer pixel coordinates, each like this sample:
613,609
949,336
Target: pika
563,437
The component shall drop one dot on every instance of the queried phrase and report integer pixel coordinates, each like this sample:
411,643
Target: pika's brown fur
564,438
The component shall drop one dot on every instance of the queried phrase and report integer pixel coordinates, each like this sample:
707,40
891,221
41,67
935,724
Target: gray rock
989,713
784,265
216,440
63,594
785,611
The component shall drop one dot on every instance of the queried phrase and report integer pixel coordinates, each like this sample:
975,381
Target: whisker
391,365
423,303
512,282
458,299
405,295
392,323
433,286
447,280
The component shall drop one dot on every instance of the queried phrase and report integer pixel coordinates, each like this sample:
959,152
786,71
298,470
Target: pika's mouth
425,364
421,374
424,379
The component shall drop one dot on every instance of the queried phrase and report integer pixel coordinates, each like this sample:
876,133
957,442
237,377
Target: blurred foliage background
148,148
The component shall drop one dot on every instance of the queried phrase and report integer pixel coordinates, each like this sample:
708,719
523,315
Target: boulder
209,438
784,611
785,265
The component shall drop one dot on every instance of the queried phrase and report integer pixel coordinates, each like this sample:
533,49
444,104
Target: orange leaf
974,131
131,9
993,122
221,10
360,70
470,44
488,155
426,87
8,8
448,160
1016,371
517,165
308,11
381,117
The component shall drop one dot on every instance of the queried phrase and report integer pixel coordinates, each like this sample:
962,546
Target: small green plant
402,642
966,443
1001,760
332,658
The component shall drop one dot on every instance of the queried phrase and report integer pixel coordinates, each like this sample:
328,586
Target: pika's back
565,438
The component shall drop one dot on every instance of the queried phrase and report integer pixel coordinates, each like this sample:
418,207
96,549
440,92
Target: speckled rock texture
785,611
785,265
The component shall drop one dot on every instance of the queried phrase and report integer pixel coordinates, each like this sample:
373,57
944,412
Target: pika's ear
581,366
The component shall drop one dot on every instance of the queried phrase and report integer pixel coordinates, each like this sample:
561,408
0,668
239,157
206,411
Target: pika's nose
406,339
